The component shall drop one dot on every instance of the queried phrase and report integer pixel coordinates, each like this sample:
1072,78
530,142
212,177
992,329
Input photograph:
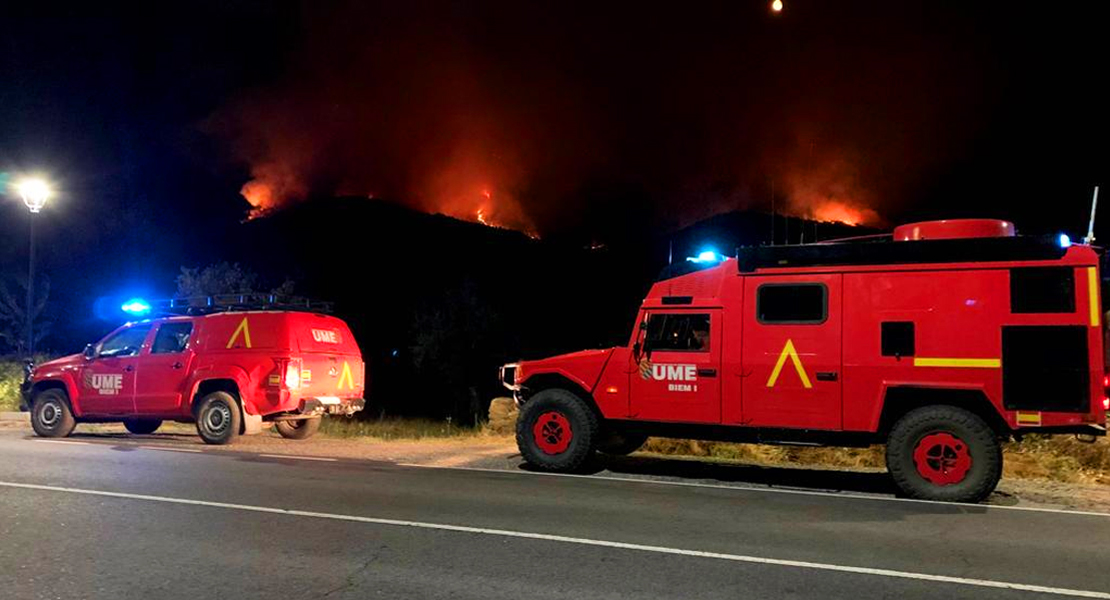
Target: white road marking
168,449
73,442
985,583
317,458
772,490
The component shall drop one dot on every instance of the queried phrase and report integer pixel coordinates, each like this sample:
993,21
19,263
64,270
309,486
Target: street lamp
35,193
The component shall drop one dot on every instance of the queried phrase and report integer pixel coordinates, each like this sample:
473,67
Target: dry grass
1057,458
397,428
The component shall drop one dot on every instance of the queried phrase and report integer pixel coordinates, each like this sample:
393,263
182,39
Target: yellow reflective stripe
984,363
1092,294
1026,418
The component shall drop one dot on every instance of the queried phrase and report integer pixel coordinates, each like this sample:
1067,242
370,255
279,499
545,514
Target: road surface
114,519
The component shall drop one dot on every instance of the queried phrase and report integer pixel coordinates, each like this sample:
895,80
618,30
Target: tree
13,314
224,278
454,337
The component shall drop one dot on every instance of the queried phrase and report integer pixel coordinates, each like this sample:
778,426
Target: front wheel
218,418
142,426
50,414
944,453
299,429
556,431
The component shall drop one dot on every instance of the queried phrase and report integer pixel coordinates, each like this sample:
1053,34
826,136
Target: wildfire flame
834,211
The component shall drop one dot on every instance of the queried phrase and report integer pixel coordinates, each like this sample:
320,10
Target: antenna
1091,227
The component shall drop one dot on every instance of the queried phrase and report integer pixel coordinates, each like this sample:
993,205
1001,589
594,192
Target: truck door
676,375
164,369
107,385
792,352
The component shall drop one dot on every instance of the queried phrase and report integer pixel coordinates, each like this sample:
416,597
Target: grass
397,428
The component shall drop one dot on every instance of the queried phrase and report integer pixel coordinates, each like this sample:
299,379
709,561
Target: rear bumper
330,405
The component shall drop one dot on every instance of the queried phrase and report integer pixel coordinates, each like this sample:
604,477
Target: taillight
1106,381
1106,404
292,379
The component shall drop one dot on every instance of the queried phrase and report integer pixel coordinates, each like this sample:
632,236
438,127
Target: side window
171,338
680,332
125,343
792,304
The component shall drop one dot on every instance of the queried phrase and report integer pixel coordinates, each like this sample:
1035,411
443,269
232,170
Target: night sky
566,120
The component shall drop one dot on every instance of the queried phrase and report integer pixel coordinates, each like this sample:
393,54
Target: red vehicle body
940,342
230,372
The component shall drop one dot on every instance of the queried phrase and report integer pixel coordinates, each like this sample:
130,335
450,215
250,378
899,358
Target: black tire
218,418
960,455
50,414
142,426
621,444
556,431
298,430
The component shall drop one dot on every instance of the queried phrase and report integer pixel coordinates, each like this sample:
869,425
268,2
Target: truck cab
939,340
226,367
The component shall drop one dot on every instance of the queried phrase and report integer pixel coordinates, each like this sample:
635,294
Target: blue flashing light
136,306
1065,241
706,256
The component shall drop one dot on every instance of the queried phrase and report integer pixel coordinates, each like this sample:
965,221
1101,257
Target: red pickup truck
231,372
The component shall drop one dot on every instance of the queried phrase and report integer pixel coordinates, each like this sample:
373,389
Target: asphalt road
119,520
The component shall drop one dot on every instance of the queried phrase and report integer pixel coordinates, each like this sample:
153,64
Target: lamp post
34,193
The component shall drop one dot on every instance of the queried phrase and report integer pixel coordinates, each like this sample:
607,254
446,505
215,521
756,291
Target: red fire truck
230,364
941,341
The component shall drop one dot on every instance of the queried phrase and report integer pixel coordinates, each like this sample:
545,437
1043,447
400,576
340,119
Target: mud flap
252,424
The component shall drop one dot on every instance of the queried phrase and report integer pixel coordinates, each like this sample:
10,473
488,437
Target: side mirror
90,352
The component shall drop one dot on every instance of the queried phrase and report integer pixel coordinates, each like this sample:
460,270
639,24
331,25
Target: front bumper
25,396
330,405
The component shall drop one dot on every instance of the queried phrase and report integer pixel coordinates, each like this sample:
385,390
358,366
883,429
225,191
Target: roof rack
203,305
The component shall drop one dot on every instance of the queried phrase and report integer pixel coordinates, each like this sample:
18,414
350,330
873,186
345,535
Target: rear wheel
944,453
50,414
621,444
142,426
218,418
556,431
299,429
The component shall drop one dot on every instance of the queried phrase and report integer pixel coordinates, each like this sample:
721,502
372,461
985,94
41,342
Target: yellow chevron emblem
789,351
346,376
244,330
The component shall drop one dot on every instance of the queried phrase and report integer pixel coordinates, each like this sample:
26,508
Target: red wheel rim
942,458
552,433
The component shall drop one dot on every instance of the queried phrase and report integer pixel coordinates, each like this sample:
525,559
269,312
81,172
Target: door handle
177,365
707,372
129,368
826,376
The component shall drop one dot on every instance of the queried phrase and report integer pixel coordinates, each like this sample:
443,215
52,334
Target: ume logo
325,336
107,384
672,374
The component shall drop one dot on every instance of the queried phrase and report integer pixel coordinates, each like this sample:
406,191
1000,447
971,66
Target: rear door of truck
331,361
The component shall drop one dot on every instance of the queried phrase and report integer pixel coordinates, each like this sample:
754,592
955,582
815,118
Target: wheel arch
53,384
546,381
900,400
218,384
